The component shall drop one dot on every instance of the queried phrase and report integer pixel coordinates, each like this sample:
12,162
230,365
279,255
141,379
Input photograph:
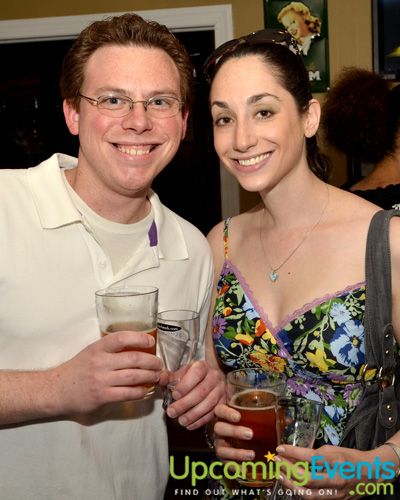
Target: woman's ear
311,118
71,116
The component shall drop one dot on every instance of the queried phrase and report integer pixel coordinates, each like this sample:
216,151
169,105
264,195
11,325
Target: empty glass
178,332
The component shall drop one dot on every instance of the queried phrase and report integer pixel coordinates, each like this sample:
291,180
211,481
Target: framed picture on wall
386,36
308,23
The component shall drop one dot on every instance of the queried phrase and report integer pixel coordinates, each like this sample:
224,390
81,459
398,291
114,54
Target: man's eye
161,102
112,101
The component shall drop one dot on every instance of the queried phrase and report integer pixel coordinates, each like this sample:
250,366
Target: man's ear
312,117
71,116
185,120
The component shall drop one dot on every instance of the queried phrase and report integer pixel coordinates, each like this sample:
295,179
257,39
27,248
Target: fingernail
183,421
247,434
280,449
249,456
235,418
176,394
171,412
150,340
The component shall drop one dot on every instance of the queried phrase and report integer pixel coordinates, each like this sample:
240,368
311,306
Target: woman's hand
228,428
337,469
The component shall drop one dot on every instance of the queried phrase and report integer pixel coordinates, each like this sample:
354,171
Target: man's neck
112,206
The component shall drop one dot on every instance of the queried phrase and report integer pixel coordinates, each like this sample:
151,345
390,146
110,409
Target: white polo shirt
50,266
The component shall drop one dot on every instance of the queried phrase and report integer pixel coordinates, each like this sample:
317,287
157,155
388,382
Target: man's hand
109,370
198,392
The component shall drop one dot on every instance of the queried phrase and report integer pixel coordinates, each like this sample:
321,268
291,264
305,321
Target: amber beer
134,327
258,411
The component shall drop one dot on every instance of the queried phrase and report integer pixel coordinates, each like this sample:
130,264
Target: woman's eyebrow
255,98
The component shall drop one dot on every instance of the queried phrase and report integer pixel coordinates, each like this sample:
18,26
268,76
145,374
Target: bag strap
378,309
379,340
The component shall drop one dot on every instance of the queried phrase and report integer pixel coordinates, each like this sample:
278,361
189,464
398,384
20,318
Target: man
74,425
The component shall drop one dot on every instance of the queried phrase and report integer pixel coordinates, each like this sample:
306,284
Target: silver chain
273,273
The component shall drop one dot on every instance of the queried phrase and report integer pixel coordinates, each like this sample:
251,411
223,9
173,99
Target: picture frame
386,38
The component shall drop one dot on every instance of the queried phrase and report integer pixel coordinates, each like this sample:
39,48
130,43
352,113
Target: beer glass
254,394
132,308
178,332
297,424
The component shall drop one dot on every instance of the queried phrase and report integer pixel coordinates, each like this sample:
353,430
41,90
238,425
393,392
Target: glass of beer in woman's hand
254,394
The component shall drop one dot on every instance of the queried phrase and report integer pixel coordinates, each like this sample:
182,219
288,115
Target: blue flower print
339,313
348,343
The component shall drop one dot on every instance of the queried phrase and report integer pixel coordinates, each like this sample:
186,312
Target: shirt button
102,264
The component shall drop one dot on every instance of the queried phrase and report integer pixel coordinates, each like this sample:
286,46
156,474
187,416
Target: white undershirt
119,241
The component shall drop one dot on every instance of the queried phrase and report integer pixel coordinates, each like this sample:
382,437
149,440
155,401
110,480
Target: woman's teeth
253,161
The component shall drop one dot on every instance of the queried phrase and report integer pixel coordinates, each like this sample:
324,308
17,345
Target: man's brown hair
127,29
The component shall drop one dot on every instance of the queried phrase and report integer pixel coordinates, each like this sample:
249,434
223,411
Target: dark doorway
32,125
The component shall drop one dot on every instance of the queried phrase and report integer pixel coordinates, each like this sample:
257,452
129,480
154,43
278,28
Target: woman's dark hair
289,70
361,115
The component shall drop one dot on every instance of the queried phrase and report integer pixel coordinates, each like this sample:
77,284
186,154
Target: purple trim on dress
153,235
290,317
316,302
250,295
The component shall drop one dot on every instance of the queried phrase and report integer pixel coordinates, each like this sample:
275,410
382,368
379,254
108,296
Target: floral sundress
320,347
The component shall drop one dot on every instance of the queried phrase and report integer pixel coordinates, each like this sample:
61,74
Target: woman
368,131
290,282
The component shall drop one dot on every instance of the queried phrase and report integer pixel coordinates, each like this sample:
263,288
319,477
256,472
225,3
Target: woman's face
294,23
259,134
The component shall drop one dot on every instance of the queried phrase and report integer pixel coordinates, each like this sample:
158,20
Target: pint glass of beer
131,308
254,394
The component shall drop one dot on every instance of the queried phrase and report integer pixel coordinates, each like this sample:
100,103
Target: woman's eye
264,113
221,121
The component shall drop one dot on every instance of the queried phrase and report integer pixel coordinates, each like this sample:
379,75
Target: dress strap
226,231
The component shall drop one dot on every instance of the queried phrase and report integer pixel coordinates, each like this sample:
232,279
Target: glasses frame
115,113
265,36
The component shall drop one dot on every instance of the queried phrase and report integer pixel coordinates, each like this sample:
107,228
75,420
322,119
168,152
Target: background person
73,422
361,118
277,304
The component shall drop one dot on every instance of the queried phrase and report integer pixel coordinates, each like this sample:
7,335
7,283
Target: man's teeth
134,151
253,161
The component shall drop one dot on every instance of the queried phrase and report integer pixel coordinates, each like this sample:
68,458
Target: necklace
273,273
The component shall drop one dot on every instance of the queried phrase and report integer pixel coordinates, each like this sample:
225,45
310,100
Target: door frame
215,17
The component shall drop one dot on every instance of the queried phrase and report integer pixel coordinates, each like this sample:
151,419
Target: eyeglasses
158,106
256,38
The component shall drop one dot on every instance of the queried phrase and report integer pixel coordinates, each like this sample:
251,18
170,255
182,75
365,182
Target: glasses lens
163,106
156,107
114,105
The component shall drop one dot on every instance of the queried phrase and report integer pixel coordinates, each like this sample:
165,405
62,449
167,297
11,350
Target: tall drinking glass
297,425
254,394
178,332
132,308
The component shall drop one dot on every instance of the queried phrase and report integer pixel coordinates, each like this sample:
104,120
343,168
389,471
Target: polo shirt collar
53,203
56,209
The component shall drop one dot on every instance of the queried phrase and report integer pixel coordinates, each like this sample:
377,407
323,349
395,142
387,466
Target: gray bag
376,417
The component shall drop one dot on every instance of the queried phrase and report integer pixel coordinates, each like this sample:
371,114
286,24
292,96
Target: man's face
123,155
